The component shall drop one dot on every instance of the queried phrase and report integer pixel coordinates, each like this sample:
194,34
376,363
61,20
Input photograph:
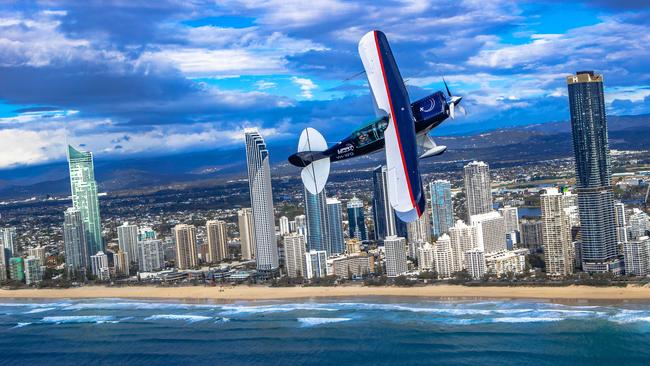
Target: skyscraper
478,192
151,255
33,270
294,252
382,212
121,263
99,266
127,239
335,223
395,256
8,242
491,232
84,196
315,264
186,253
463,238
356,219
246,233
259,183
442,208
593,177
217,240
556,234
510,216
637,256
17,269
284,225
317,225
532,234
420,229
622,227
75,244
444,256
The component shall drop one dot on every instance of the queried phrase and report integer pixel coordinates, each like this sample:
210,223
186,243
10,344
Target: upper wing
404,182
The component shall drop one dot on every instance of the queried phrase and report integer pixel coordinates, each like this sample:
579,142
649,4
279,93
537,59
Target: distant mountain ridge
503,145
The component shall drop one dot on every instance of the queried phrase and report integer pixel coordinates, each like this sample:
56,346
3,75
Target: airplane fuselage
428,113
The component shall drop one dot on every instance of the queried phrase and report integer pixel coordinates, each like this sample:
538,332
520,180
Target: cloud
306,86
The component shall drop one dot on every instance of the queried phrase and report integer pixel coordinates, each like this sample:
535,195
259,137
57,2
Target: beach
228,293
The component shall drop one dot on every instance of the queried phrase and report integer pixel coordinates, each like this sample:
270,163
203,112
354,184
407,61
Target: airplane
401,129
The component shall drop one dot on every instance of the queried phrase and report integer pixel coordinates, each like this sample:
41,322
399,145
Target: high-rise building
426,257
121,263
33,270
510,216
8,242
356,219
127,239
335,224
420,229
294,252
186,251
351,266
382,212
531,234
442,208
622,227
99,266
506,262
491,232
259,183
316,263
246,233
217,240
17,269
284,225
146,233
637,256
639,223
75,244
3,266
556,234
38,252
151,255
84,196
593,176
463,238
395,254
475,262
478,192
317,225
444,256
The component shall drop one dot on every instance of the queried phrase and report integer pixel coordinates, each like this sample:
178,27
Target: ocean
392,331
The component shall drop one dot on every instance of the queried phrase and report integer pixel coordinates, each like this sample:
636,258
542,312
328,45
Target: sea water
390,331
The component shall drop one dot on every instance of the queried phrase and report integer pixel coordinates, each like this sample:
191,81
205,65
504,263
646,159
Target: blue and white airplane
401,128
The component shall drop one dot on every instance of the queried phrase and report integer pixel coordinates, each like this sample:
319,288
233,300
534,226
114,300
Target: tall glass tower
382,212
259,183
442,209
84,197
478,194
593,174
74,240
335,222
317,225
356,219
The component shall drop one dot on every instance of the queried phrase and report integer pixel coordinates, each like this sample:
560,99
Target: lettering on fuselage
346,149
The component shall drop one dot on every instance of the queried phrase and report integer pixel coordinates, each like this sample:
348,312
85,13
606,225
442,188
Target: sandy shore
269,293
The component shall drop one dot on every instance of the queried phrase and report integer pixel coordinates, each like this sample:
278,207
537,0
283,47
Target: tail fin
316,165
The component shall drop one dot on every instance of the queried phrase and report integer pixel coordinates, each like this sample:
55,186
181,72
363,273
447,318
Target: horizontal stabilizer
314,175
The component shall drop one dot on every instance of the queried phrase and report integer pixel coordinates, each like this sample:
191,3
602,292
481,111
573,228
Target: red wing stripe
390,102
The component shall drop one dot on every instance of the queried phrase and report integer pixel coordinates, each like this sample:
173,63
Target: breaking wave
309,322
98,319
185,317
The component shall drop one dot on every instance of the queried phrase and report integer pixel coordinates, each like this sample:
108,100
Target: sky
144,78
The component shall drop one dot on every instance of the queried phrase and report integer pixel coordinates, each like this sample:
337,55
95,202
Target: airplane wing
391,99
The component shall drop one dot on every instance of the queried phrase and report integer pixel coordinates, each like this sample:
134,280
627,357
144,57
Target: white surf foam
308,322
186,317
20,325
78,319
38,310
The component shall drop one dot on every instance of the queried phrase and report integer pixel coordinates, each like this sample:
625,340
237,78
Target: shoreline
252,293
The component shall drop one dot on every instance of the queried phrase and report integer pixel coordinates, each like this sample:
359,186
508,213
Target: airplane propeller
453,101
